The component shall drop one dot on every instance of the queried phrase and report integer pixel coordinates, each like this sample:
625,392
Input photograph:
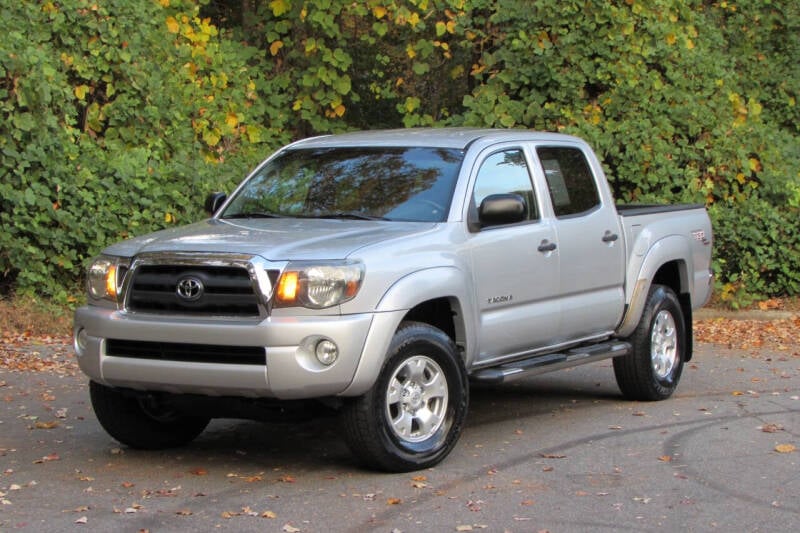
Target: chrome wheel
663,344
416,399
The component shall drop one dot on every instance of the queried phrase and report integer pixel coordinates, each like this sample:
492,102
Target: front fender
405,294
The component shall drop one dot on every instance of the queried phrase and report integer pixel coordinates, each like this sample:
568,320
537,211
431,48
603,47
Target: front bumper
290,369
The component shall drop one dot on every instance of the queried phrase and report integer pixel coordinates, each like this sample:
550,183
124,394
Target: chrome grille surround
235,286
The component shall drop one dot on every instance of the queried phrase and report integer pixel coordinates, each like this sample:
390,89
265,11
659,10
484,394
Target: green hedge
118,117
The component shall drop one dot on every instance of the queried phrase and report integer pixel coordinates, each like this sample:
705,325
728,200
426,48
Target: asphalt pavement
560,452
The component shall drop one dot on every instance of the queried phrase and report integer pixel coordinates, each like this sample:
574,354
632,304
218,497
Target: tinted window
412,184
503,173
570,180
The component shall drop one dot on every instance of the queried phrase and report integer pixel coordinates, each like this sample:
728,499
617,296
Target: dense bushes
119,116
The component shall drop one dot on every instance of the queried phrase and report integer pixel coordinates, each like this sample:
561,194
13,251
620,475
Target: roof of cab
458,138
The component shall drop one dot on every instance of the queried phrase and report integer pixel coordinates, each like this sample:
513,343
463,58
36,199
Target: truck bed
652,209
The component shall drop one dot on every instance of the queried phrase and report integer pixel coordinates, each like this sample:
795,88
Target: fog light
81,341
327,352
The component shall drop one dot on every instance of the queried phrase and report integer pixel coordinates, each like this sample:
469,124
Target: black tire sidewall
123,417
414,339
635,373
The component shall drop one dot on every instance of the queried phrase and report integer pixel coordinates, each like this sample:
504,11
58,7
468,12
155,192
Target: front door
515,266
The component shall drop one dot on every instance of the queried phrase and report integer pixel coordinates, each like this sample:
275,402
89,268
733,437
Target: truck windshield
408,184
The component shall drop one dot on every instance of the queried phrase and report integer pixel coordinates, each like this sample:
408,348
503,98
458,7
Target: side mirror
214,201
498,209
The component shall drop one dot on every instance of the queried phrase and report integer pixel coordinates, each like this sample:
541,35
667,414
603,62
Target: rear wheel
413,416
653,369
143,421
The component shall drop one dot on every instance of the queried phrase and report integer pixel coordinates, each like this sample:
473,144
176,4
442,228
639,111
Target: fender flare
666,250
406,293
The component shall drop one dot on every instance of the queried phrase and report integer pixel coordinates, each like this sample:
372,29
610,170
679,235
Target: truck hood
273,239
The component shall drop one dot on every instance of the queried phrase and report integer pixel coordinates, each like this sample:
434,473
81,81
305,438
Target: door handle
610,237
547,246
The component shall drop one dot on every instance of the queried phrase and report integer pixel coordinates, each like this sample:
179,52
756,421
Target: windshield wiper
253,214
350,215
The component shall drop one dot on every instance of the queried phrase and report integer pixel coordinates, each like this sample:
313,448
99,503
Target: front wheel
652,370
143,421
414,414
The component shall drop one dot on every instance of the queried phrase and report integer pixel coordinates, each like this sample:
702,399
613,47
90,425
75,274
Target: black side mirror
214,201
498,209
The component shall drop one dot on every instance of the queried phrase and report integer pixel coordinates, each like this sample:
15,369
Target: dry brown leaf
771,428
552,455
268,514
199,471
785,448
665,458
394,501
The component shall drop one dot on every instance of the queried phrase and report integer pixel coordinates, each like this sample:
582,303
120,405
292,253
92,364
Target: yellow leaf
671,39
168,218
755,164
339,110
80,92
785,448
379,12
279,7
164,3
231,119
689,44
298,104
275,47
172,25
414,19
411,52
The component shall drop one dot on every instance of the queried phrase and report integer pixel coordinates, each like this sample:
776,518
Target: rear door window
573,189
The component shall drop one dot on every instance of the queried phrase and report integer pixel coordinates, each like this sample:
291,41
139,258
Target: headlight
104,278
318,285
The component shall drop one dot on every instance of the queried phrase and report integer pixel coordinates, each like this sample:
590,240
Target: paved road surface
560,452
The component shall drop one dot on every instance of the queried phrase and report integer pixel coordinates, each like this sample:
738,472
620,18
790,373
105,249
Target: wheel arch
437,297
664,264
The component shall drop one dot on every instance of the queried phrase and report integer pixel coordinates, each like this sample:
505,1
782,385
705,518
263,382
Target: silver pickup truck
378,274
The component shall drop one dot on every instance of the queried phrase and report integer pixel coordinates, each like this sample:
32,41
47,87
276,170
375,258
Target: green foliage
118,116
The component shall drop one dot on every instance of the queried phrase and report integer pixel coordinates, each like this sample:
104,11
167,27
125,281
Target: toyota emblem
189,289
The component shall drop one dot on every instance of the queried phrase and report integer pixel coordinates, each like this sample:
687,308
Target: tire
142,422
652,370
413,416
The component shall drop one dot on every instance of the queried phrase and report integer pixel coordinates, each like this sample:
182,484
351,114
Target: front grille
226,291
187,353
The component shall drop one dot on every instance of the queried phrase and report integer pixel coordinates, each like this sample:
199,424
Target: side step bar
547,363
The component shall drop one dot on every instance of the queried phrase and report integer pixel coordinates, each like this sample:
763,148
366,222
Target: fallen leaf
288,528
46,425
82,520
394,501
552,455
183,512
771,428
199,472
465,527
127,484
268,514
785,448
287,479
47,458
665,458
615,427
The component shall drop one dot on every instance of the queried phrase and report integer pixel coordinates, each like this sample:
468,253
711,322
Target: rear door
590,241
